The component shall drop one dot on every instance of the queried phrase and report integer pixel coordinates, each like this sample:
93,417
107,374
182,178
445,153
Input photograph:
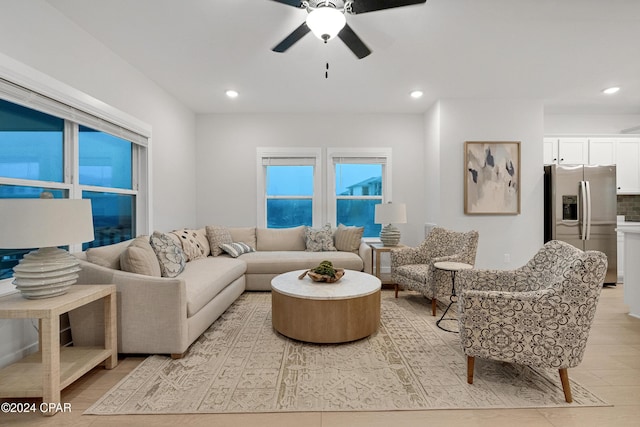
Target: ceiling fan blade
294,3
292,38
353,42
362,6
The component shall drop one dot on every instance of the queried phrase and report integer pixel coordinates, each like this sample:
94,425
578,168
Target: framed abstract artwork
492,178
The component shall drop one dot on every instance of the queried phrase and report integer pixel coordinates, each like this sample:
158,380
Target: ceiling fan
326,19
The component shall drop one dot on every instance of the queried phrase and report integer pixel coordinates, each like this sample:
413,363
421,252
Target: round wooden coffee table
325,312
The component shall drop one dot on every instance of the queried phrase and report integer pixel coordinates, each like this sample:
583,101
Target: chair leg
566,387
396,289
434,305
470,363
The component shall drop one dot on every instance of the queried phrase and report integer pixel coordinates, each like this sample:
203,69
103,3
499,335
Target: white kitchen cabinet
573,151
628,165
602,151
550,150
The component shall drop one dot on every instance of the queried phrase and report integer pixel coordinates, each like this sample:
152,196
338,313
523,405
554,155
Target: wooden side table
377,249
51,368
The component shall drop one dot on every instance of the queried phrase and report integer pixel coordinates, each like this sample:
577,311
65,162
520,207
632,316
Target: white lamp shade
42,223
326,22
390,213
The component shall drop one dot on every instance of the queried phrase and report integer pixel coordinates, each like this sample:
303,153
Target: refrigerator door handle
583,214
588,191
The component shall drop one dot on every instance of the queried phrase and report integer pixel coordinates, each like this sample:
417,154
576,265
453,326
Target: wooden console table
51,368
377,248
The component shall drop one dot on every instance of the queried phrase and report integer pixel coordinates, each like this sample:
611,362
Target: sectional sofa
159,314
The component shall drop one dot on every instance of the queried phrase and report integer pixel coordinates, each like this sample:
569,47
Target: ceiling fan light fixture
326,22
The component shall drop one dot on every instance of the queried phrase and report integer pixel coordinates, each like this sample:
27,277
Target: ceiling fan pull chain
326,73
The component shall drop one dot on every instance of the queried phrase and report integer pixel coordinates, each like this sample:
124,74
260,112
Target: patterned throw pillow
236,249
217,236
348,239
319,240
194,244
170,256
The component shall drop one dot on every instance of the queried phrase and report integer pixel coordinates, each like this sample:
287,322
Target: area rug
240,364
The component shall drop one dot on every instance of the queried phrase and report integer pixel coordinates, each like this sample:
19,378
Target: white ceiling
562,51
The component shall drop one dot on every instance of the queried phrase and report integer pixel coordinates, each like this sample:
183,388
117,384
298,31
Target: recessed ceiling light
416,94
232,93
611,90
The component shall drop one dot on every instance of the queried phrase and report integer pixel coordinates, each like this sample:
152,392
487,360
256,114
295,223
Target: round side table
453,267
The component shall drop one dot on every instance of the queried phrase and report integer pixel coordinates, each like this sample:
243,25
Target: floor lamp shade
390,213
45,224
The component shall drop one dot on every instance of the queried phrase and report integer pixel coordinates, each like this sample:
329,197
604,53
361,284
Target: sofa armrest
497,280
152,312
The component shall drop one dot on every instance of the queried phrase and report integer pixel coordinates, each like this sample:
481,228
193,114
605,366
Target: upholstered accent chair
412,268
538,315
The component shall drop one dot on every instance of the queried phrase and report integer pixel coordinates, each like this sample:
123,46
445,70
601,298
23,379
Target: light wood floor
611,368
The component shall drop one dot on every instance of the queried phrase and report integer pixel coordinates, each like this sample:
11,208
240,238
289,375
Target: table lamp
45,224
390,213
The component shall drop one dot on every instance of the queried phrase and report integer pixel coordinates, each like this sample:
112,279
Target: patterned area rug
242,365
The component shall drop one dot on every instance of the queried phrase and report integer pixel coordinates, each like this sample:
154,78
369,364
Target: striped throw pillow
236,249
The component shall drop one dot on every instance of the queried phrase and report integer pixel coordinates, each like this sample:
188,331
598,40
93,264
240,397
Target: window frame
32,89
382,155
288,156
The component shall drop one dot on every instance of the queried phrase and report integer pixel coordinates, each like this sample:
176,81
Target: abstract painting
491,178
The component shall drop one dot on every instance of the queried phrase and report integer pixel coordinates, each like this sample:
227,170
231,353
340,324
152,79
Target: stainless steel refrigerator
580,209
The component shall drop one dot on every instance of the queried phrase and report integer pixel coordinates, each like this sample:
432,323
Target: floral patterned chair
538,315
413,268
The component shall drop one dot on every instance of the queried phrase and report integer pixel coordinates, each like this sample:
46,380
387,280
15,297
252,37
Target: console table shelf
24,378
51,368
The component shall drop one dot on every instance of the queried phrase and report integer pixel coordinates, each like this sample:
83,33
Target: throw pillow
217,236
170,256
140,258
319,240
236,249
193,243
348,238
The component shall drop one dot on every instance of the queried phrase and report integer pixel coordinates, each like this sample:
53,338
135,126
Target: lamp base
46,273
390,235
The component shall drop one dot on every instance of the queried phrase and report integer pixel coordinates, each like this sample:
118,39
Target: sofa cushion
170,256
281,239
236,249
277,262
244,234
348,238
195,243
206,277
140,258
107,256
319,240
218,235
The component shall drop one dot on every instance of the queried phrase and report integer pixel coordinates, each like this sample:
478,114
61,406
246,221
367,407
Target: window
358,179
46,145
290,190
288,187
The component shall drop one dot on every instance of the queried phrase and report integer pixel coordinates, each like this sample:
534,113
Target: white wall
520,236
37,35
226,158
432,164
589,124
